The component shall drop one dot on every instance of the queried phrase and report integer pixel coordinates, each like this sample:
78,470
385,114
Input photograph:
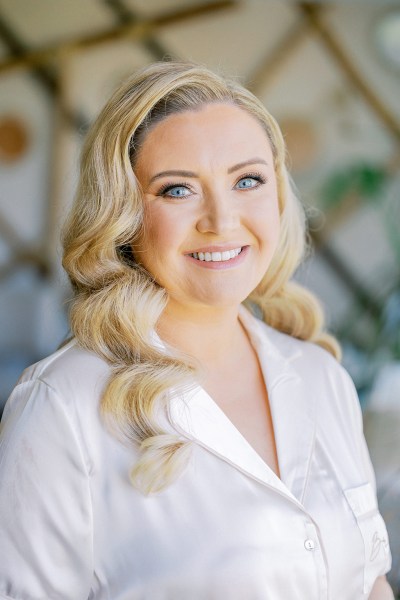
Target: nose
218,214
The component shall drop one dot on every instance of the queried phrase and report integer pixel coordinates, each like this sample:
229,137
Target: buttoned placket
197,417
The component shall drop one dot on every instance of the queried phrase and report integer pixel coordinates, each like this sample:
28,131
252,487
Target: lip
218,248
223,264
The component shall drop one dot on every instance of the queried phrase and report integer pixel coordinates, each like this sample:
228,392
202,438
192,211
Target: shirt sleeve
356,420
364,496
45,506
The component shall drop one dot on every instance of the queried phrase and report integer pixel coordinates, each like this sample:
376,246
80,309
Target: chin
222,300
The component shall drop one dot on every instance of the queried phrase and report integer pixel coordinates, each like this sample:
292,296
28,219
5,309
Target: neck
208,334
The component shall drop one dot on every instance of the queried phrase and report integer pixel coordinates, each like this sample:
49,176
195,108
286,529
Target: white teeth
217,256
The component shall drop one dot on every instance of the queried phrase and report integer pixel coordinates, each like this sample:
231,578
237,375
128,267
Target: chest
226,522
244,400
218,534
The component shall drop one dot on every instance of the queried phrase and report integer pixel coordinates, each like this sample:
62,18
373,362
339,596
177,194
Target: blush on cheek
151,251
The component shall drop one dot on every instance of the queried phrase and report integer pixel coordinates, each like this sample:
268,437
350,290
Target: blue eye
175,191
249,182
178,191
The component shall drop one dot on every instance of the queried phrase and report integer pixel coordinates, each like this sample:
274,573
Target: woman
249,473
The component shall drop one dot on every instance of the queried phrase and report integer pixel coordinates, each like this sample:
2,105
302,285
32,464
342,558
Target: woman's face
211,217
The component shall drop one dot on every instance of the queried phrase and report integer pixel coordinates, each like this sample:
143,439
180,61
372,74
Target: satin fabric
73,528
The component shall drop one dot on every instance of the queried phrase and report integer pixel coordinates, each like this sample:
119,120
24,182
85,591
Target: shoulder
321,373
68,371
68,384
45,497
306,356
302,353
325,388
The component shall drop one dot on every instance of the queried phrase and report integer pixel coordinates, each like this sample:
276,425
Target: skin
381,590
214,211
215,207
223,204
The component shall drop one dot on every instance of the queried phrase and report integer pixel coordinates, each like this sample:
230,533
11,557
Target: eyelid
170,186
255,175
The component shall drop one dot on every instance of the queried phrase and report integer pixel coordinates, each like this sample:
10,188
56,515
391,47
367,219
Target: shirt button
309,544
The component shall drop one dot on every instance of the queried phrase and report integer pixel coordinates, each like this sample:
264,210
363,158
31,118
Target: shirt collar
198,417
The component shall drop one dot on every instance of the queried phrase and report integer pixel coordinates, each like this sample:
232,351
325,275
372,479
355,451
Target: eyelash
257,176
170,186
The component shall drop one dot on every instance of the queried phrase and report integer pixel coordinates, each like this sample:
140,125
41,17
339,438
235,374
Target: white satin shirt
73,528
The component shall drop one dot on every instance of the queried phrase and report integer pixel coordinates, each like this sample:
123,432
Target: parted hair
117,303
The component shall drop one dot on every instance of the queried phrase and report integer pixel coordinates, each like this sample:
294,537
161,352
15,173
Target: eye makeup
261,179
163,191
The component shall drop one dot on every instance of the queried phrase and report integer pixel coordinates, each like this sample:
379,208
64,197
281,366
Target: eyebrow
180,173
252,161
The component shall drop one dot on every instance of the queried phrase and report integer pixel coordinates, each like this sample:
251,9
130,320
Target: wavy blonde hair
117,304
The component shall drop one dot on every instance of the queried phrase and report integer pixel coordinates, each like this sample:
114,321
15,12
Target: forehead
214,135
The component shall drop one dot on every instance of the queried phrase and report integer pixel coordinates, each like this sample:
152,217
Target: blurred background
329,71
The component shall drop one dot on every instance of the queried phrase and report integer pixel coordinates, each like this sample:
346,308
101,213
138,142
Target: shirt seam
79,438
49,361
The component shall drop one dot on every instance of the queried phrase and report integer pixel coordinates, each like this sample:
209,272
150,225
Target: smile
217,256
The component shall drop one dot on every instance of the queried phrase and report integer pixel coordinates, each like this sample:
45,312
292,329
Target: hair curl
117,304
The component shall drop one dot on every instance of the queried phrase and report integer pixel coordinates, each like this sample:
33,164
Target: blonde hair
117,304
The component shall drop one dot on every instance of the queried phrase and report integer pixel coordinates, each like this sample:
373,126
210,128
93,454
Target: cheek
161,234
267,221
